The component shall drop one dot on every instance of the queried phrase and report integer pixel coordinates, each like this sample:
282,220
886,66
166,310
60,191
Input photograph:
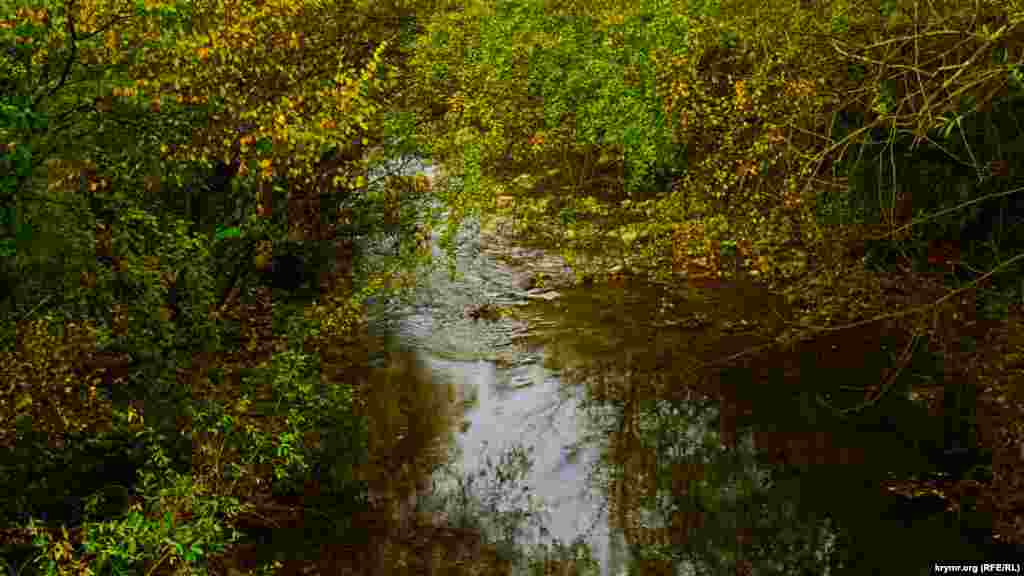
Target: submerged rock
543,295
488,312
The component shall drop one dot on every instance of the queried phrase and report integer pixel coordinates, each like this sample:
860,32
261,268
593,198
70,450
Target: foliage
715,109
157,156
41,389
177,521
583,92
968,219
294,381
149,144
184,517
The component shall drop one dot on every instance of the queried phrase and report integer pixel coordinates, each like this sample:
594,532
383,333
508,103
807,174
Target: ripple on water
514,397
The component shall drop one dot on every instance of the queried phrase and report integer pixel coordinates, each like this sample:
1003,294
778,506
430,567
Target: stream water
517,401
746,466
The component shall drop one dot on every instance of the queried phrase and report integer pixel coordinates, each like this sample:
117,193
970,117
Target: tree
652,126
111,111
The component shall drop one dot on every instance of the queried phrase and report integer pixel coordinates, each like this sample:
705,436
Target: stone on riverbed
543,295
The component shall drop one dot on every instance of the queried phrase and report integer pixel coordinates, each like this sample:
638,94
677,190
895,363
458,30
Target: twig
905,357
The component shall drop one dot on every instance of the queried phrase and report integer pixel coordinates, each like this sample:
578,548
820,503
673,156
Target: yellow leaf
24,402
360,182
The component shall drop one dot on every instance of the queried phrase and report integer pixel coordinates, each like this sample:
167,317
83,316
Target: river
517,400
594,391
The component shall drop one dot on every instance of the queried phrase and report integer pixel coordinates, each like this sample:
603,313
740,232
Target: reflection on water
516,400
639,434
745,466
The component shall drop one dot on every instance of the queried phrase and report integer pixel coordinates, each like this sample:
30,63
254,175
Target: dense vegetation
189,191
185,197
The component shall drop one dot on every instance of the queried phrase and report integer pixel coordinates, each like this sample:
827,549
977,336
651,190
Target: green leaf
949,127
264,145
232,232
